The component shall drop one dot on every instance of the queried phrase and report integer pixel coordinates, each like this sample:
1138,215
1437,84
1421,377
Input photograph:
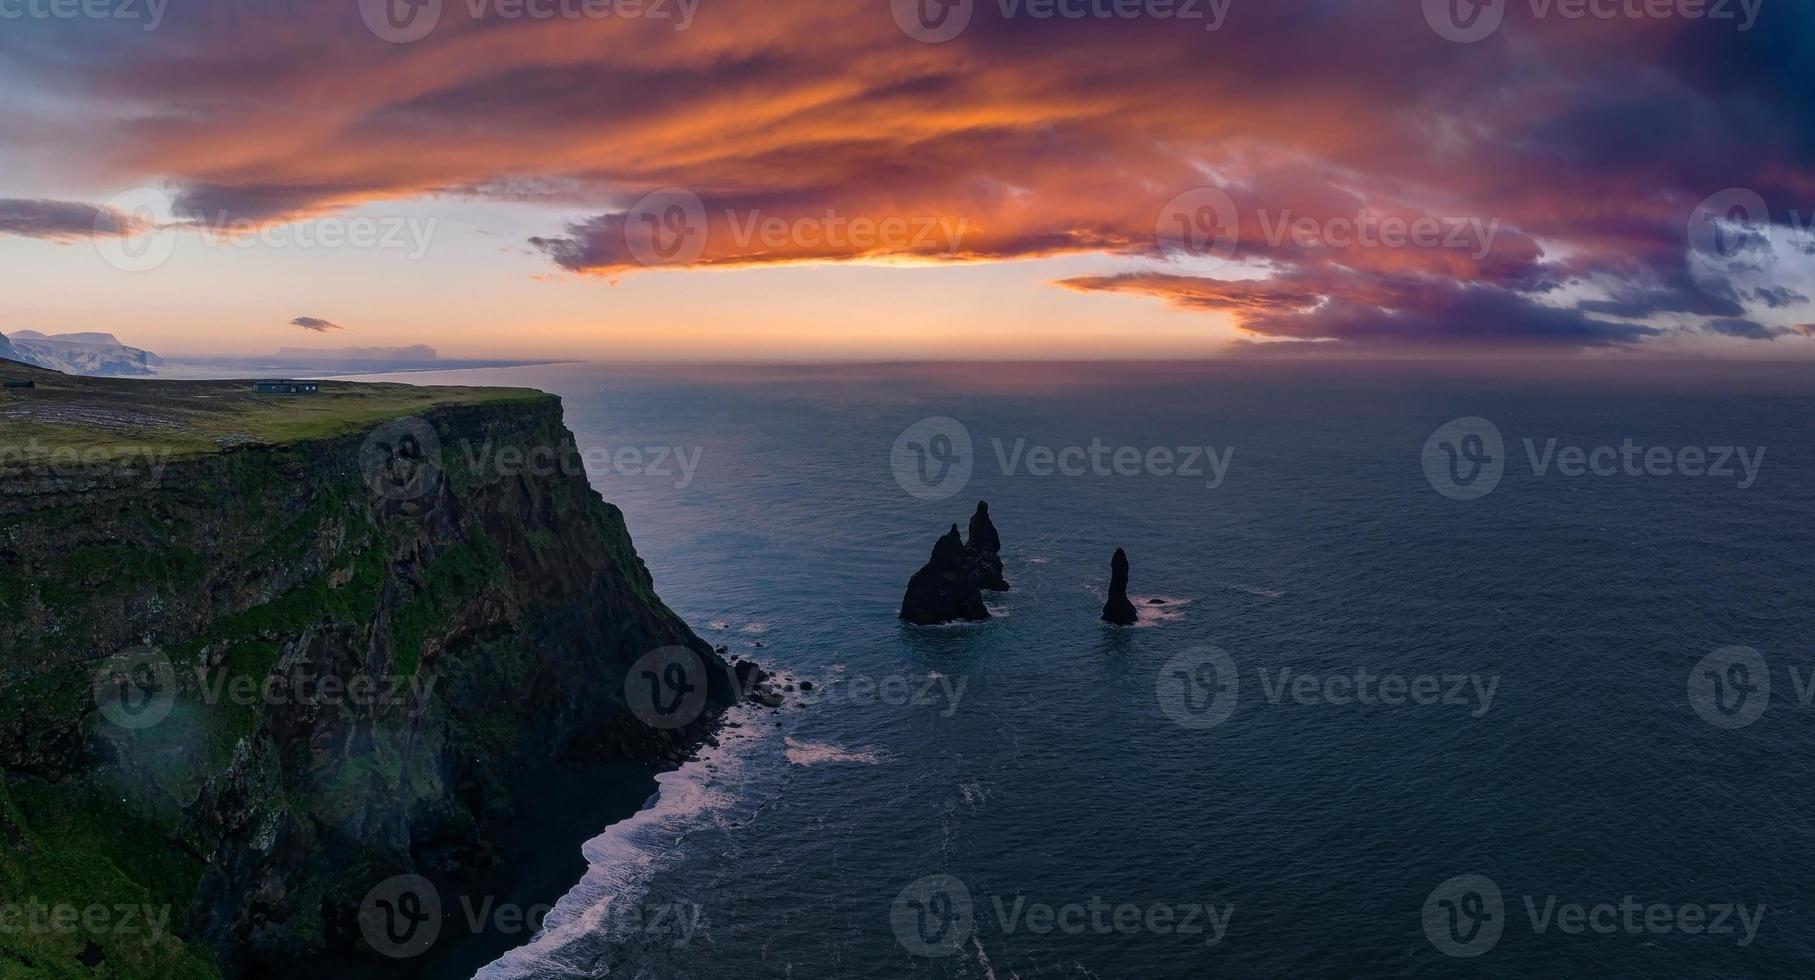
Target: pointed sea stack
947,589
986,545
1118,609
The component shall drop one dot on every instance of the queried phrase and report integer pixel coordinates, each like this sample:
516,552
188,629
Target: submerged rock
1118,609
948,588
985,546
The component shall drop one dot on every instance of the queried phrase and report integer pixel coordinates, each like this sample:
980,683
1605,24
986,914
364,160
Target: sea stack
947,588
987,546
1118,609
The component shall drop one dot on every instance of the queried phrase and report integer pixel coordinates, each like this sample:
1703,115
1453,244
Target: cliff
342,641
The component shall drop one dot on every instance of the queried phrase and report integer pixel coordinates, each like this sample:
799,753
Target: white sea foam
720,789
817,753
1148,614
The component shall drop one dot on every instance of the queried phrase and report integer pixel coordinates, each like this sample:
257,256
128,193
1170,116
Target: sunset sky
847,179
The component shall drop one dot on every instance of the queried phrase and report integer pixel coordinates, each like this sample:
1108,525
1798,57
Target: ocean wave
817,753
722,788
1257,591
1154,610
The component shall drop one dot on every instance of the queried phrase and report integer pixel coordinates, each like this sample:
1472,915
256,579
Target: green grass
88,853
91,420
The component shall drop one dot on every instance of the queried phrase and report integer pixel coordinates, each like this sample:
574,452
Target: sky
914,179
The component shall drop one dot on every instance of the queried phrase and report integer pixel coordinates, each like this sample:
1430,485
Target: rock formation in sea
947,588
986,546
1118,609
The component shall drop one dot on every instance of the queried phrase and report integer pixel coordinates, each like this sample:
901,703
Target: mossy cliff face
246,686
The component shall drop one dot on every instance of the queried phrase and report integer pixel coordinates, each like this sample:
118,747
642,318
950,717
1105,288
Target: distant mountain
329,362
93,354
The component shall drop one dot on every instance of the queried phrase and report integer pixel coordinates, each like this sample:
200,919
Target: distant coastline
178,369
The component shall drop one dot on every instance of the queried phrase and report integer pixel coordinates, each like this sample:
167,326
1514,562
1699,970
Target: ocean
1454,671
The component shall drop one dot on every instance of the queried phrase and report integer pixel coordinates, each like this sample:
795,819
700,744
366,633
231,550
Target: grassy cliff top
114,417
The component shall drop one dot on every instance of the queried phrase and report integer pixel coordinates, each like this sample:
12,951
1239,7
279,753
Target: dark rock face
947,588
1118,609
985,545
503,615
